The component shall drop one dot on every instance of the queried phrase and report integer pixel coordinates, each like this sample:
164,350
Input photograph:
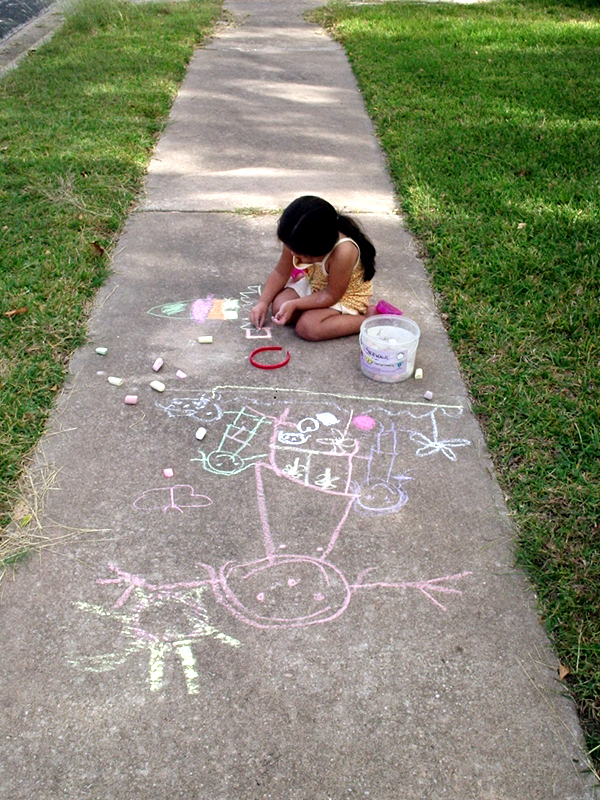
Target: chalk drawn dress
356,297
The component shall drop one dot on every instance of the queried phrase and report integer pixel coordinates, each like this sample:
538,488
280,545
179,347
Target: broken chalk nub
168,472
157,386
180,374
200,434
131,399
428,395
418,374
115,381
102,351
205,339
157,364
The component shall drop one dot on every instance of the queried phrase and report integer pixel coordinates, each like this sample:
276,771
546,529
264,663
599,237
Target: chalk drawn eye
222,461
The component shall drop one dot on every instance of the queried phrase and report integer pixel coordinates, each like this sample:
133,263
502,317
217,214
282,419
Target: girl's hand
285,313
258,314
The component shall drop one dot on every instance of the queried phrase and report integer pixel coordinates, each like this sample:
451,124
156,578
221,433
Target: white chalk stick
418,374
102,351
200,434
428,395
115,381
157,386
157,364
205,339
180,374
131,399
168,472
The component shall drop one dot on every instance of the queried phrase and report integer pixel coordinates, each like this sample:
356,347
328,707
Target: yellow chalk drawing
163,620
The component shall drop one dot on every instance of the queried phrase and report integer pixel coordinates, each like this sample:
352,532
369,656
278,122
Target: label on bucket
383,363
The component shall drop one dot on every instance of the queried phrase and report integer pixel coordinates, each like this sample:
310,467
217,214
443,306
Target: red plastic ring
268,366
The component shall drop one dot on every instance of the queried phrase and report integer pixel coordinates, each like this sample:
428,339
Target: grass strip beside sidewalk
78,122
490,119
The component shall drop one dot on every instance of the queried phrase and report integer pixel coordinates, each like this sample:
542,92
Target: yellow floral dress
358,294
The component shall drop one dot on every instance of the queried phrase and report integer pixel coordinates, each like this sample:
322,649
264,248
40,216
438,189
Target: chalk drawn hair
310,226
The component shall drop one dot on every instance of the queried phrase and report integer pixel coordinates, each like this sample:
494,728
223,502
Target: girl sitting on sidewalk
323,279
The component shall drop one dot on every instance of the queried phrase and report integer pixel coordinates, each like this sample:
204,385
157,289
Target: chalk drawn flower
432,446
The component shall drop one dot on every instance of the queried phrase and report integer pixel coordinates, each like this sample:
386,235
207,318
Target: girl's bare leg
318,324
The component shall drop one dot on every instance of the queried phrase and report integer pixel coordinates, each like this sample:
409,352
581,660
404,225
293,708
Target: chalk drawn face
381,498
285,591
222,461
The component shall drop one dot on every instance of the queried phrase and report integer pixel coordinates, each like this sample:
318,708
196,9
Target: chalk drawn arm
425,587
274,285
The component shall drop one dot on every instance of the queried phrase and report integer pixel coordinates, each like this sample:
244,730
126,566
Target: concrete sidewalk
320,602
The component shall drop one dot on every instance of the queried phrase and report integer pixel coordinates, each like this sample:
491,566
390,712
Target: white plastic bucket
388,347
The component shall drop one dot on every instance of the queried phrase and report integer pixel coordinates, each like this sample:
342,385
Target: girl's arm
339,271
275,283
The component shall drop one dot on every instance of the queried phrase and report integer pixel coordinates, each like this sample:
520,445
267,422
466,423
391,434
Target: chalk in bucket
388,347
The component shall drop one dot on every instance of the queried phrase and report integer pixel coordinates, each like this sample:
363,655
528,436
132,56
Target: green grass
78,122
490,118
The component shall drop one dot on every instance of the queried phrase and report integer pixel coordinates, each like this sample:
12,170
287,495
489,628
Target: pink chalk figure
278,590
171,498
293,590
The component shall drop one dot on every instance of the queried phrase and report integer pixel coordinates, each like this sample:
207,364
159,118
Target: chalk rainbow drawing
171,498
199,310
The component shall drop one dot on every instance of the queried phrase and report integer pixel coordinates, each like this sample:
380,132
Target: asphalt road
15,13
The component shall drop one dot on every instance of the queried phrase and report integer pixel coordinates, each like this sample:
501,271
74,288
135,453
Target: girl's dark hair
310,225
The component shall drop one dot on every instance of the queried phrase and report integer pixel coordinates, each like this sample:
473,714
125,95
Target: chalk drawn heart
174,498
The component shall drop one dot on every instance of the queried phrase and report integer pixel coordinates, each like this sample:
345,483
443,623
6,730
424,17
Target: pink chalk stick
168,472
157,364
383,307
131,399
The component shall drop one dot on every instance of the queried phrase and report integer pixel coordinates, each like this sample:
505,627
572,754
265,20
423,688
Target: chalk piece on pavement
200,434
157,386
131,399
115,381
180,374
205,339
168,472
157,364
418,374
428,395
102,351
